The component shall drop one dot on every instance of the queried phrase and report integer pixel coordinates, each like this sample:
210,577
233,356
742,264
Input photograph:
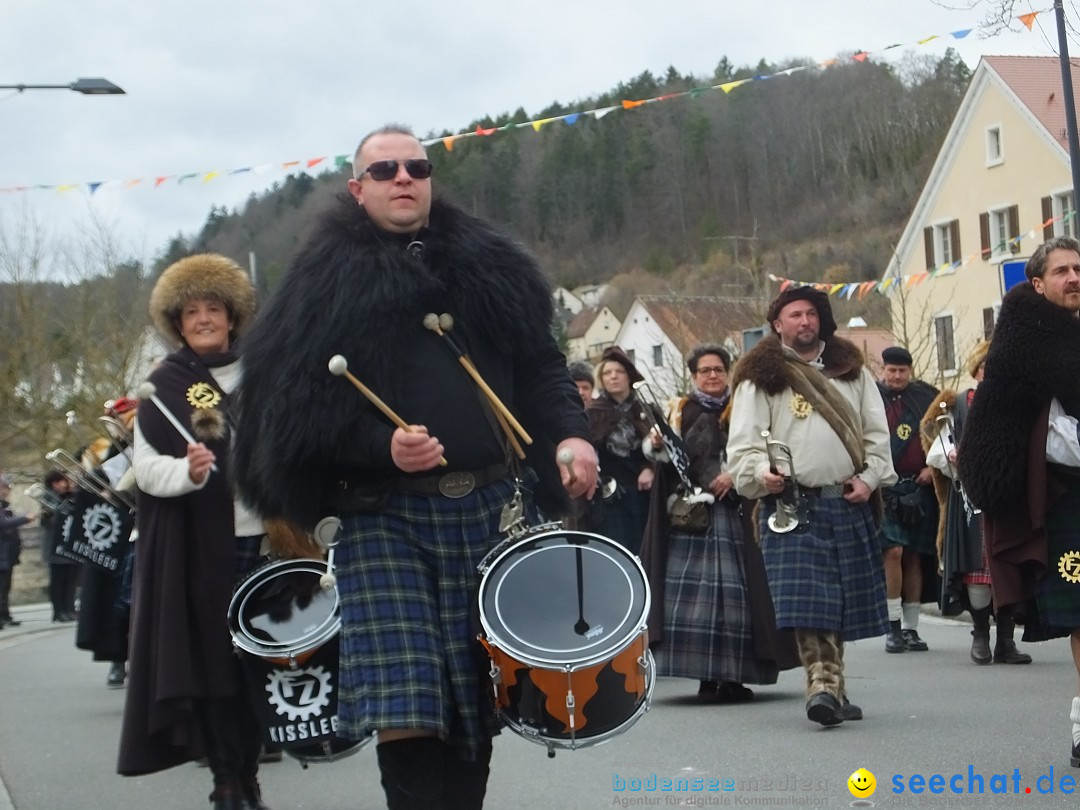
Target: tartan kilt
708,627
1057,595
827,575
408,585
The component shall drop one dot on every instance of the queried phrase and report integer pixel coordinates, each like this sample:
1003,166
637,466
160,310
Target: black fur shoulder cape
1034,357
765,367
356,290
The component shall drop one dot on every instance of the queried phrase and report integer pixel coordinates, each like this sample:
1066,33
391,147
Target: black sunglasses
418,169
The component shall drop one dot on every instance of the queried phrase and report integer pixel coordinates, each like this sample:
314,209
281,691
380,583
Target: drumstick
566,458
436,324
339,367
149,391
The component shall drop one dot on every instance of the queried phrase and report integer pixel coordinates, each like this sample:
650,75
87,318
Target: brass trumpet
88,480
792,509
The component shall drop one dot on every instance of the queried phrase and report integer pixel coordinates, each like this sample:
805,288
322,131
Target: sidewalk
35,618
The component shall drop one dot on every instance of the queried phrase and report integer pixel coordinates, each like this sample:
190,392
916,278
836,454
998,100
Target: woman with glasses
712,617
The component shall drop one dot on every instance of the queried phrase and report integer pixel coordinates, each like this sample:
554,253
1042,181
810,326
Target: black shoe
11,623
980,647
894,641
1005,652
1074,760
849,711
116,677
823,708
913,642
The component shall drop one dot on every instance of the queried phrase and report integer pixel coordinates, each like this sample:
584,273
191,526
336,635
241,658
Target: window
630,353
997,228
1062,208
995,152
989,319
942,244
657,356
946,349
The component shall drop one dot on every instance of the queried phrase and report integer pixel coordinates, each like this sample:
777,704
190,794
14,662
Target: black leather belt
827,491
455,484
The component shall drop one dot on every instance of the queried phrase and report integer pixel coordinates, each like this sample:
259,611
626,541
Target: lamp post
88,87
1070,106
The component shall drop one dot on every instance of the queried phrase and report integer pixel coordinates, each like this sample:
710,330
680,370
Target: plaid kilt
408,585
920,536
708,631
1058,598
827,575
248,556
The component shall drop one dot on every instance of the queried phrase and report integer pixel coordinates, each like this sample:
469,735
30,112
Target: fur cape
204,275
1034,357
356,290
764,364
929,428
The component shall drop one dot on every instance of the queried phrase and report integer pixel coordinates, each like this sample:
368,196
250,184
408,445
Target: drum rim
354,747
571,665
242,639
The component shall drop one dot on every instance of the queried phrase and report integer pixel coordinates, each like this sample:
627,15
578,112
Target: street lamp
88,87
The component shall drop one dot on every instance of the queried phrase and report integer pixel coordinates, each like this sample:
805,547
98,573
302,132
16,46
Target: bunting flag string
849,288
448,141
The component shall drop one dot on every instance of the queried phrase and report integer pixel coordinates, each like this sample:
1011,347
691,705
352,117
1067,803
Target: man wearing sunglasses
413,531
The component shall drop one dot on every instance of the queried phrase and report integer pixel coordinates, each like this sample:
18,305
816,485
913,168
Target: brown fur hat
205,275
977,357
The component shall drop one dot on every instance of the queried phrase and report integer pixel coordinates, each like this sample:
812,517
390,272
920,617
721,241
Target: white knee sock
911,612
1075,717
978,596
893,606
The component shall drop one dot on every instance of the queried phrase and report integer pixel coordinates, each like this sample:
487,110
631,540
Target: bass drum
564,618
285,626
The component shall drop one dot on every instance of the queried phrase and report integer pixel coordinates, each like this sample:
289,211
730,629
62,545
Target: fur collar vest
766,367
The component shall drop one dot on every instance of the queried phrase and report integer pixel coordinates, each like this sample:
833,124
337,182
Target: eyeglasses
705,371
418,169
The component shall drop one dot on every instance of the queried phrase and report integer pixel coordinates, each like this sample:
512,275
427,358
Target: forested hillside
815,173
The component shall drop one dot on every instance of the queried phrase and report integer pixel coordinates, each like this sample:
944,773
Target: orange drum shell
582,683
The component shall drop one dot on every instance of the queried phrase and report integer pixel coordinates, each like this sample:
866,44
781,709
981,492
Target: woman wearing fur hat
618,422
186,696
965,580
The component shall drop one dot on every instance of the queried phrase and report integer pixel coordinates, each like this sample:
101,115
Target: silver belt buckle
832,491
457,484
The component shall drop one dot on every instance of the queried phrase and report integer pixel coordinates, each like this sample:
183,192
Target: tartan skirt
708,631
1057,595
408,585
827,575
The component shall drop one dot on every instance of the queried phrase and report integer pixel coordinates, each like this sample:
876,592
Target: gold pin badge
903,432
203,395
800,406
1069,567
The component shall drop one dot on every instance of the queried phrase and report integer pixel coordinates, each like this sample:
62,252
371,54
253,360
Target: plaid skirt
827,575
408,585
1057,595
707,626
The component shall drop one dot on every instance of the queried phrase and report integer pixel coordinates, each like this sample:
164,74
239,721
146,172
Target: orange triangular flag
629,105
481,131
1028,19
449,143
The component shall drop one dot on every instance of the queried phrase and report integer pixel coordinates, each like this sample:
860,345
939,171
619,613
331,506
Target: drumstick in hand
339,367
566,458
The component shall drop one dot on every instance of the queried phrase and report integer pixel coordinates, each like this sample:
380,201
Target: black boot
412,772
980,636
1005,651
894,641
228,797
466,780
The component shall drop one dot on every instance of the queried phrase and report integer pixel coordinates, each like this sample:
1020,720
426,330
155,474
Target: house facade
589,332
1001,184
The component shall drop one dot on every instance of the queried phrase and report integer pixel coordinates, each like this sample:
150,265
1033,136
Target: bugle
673,445
792,509
88,480
44,496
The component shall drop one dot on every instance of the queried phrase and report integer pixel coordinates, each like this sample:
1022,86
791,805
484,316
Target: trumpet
44,496
88,480
792,509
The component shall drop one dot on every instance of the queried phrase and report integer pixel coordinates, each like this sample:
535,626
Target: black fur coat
1034,357
357,291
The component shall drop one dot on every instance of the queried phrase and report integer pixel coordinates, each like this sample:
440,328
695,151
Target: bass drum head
563,599
282,610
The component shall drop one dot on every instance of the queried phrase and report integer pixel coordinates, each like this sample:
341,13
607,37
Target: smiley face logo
862,784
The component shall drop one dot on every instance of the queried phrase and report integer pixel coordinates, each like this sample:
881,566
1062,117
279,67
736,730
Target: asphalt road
927,714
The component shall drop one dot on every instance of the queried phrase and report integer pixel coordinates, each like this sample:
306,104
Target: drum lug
643,662
495,673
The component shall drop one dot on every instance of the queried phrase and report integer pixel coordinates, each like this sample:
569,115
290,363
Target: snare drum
564,625
285,627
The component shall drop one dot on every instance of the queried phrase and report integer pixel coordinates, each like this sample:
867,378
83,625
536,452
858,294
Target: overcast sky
236,83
